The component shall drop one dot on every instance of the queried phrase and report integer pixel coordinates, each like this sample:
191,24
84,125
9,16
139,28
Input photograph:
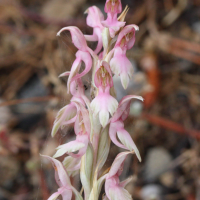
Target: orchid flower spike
93,20
113,187
82,131
98,119
120,65
103,103
63,181
112,8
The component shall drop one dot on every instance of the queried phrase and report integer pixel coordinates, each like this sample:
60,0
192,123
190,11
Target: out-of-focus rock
157,162
61,9
151,192
167,179
136,108
5,114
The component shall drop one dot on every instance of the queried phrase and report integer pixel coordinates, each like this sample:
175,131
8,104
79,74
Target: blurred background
166,128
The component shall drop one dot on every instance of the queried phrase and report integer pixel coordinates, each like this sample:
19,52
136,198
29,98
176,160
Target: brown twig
33,99
168,124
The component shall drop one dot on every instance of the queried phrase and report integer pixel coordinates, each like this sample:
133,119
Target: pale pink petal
105,103
77,88
113,135
86,58
126,139
68,148
103,117
126,182
121,66
98,32
126,38
117,165
129,98
94,17
67,194
61,175
54,196
82,120
80,144
77,37
65,114
119,193
74,70
124,106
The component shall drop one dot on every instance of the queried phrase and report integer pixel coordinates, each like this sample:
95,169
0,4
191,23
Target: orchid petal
77,37
54,196
65,114
74,70
61,175
124,106
113,135
68,148
94,18
103,104
66,194
86,58
98,32
80,144
119,193
126,139
118,163
103,117
126,182
121,66
125,40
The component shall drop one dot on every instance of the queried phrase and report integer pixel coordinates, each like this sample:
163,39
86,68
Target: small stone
157,162
151,192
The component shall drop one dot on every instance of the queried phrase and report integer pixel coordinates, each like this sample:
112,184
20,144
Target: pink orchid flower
120,65
68,114
117,126
82,54
113,187
93,20
112,8
103,103
82,131
63,181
